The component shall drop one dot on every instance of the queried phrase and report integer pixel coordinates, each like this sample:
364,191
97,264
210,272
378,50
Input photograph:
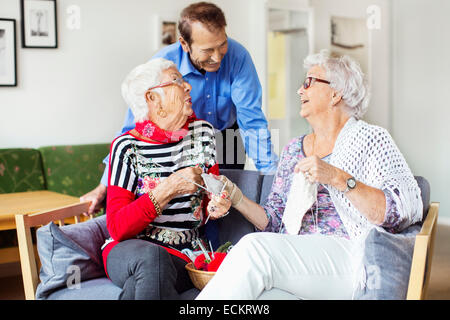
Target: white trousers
306,266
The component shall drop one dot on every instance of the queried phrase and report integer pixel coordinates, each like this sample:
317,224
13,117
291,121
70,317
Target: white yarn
302,196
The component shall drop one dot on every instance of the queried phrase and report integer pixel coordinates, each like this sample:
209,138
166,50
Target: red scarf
150,130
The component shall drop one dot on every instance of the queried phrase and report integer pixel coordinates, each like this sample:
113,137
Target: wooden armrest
422,256
27,257
58,214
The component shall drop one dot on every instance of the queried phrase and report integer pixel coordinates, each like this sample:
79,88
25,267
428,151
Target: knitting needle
174,172
205,253
210,247
207,218
223,188
200,186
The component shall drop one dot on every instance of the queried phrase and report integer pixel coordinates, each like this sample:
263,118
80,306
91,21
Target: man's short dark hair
210,15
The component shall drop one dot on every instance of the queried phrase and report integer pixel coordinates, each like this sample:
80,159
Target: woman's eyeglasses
178,81
309,81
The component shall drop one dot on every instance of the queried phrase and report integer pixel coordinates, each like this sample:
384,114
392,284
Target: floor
439,288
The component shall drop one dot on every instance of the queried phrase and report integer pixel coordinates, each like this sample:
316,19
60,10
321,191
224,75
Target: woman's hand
184,186
233,192
317,170
219,205
368,200
232,196
175,185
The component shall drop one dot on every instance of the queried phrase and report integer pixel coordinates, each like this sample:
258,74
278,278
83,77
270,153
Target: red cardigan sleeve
125,216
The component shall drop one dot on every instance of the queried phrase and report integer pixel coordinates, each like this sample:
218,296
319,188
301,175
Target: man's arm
98,195
246,94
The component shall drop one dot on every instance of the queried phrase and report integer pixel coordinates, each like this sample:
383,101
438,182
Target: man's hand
96,196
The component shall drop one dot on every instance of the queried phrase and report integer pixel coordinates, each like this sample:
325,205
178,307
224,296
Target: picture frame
8,66
350,36
165,31
39,24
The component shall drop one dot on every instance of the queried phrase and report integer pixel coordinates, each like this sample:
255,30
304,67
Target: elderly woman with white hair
331,188
154,206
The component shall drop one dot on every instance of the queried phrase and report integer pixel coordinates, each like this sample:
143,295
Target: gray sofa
72,266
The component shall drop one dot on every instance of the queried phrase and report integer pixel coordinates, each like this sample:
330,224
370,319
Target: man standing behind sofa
225,91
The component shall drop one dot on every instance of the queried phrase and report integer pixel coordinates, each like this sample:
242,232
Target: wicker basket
199,277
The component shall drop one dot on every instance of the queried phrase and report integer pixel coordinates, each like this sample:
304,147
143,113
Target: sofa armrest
24,223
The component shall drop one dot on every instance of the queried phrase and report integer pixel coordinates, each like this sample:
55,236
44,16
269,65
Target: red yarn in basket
201,264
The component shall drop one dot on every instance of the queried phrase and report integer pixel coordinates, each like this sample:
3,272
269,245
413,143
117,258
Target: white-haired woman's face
177,97
317,97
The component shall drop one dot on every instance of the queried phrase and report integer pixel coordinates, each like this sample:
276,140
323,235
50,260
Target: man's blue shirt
222,97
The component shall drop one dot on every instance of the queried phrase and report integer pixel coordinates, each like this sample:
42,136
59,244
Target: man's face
207,48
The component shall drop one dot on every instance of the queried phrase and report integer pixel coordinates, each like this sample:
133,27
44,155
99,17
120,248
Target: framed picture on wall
165,31
350,36
39,24
8,66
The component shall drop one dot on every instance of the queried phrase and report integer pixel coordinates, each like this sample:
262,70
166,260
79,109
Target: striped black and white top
139,166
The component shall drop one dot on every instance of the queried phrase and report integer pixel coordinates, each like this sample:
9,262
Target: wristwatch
351,184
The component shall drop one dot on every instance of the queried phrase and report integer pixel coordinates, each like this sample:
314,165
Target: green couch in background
73,170
69,169
21,170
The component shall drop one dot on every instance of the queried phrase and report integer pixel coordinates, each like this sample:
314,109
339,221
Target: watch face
351,183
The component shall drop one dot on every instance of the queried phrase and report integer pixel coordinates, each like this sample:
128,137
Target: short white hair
139,80
345,76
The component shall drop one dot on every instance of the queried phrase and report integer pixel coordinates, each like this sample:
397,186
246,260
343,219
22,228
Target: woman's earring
162,113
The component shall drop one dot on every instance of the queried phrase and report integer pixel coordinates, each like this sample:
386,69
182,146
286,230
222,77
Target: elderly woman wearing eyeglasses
331,188
155,207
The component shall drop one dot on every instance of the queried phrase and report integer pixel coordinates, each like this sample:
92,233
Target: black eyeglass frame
308,82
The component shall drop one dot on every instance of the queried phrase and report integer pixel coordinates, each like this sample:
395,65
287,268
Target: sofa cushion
424,186
387,260
20,170
90,235
94,289
102,289
234,226
60,249
248,181
73,169
266,188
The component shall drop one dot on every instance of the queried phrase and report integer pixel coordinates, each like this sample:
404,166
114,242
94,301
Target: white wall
71,95
409,79
379,77
421,91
